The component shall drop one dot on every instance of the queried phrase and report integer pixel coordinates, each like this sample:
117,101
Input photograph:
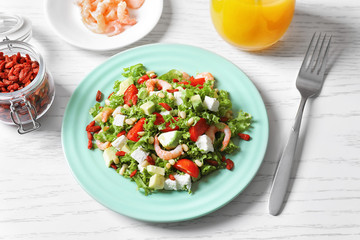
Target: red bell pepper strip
198,129
138,127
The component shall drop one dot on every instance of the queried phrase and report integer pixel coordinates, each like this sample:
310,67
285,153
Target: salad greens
167,131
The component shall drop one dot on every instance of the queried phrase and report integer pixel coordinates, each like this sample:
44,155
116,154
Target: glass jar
25,106
252,24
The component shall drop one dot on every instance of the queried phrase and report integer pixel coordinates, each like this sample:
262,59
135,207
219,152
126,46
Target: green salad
166,131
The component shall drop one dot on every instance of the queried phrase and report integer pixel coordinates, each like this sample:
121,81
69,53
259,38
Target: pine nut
151,140
190,122
129,121
126,106
185,147
122,169
153,156
133,119
141,133
198,163
182,114
150,73
172,161
168,165
161,95
107,102
144,163
171,96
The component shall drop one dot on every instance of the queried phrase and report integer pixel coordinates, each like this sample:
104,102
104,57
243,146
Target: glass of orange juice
252,24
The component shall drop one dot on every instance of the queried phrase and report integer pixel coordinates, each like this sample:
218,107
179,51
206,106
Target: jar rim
18,94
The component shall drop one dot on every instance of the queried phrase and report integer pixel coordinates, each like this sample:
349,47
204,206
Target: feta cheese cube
178,97
204,143
165,113
119,142
181,182
139,155
211,103
119,120
117,111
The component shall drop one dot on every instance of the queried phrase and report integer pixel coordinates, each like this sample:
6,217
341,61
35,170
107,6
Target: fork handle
283,171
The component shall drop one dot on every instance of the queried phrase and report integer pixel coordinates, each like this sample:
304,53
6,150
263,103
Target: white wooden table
40,199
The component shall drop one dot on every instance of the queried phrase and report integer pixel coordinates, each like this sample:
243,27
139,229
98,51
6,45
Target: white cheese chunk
153,92
119,142
117,111
181,182
178,97
165,113
211,103
119,120
204,143
139,155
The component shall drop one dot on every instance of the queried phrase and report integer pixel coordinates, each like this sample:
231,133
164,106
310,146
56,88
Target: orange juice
252,24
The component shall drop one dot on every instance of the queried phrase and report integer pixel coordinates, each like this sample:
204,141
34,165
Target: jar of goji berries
26,87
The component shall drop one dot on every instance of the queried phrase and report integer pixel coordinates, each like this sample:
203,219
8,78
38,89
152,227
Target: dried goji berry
172,90
172,177
114,166
244,136
90,136
133,173
92,123
150,160
98,96
229,164
166,106
121,133
120,153
212,162
143,79
94,129
90,144
175,80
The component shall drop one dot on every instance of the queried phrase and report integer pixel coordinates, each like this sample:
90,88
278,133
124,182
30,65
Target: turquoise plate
120,194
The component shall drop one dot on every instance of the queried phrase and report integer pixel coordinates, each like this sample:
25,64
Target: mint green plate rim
121,195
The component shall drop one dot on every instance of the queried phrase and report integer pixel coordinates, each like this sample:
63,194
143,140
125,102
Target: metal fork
309,83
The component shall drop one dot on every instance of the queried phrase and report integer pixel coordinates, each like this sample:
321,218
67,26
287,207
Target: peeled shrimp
105,114
107,16
225,129
134,4
152,83
185,76
102,145
167,155
208,76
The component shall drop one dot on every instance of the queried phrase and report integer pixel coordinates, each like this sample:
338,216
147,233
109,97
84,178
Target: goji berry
175,80
212,162
244,136
120,153
121,133
150,160
90,144
172,90
94,129
92,123
133,173
110,95
224,119
172,177
90,136
229,164
114,166
143,79
98,96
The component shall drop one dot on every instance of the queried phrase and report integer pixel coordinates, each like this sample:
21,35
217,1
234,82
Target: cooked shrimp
206,75
167,155
225,129
105,114
102,145
152,83
123,15
134,4
185,76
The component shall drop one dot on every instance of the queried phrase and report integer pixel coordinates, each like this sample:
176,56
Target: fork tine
319,58
314,58
307,55
322,67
